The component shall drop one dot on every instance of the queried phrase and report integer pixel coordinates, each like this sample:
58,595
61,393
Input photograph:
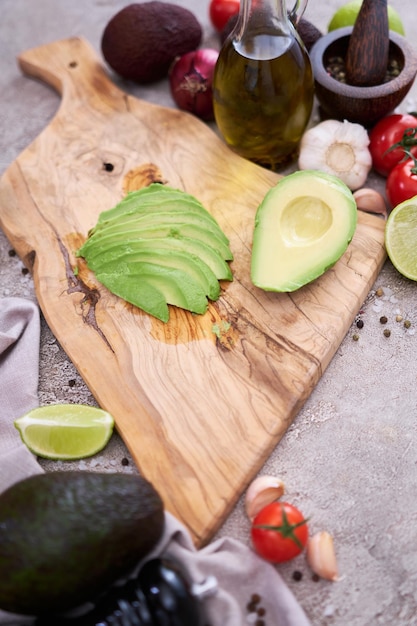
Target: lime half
65,431
346,16
401,238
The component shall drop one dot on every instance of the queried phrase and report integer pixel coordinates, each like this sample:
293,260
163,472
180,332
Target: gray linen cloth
236,571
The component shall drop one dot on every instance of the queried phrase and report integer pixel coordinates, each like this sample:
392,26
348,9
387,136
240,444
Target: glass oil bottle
263,86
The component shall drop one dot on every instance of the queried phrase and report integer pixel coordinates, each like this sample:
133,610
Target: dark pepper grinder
367,54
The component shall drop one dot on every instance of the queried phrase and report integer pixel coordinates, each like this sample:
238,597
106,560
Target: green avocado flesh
66,536
155,217
189,265
152,287
196,250
129,206
157,227
302,227
159,246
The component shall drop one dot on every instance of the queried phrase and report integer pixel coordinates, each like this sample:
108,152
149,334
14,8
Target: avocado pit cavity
305,220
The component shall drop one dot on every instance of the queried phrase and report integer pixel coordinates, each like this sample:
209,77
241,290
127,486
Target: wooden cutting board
201,401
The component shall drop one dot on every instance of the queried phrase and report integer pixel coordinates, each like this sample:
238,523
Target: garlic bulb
338,148
262,491
321,556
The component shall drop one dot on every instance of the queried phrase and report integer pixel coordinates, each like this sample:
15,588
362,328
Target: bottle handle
297,11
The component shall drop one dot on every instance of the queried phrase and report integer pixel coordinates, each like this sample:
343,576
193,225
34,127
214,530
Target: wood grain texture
200,401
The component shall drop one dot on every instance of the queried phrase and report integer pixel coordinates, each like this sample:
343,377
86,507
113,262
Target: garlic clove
370,201
321,556
262,491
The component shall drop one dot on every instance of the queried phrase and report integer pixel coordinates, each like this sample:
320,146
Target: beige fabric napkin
235,571
19,372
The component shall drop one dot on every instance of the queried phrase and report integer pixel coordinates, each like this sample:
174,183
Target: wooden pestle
367,54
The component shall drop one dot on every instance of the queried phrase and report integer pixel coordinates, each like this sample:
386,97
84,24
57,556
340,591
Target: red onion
191,79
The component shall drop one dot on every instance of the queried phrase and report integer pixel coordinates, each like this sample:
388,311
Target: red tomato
386,133
221,11
402,182
279,532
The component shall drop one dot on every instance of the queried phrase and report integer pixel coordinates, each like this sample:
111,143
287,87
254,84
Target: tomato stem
408,139
413,170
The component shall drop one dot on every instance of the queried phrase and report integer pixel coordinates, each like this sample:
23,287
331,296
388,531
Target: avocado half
302,227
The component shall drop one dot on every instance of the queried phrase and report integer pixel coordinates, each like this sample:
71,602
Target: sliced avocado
302,227
190,265
149,208
150,198
159,229
147,297
159,218
164,228
130,219
66,536
177,287
195,248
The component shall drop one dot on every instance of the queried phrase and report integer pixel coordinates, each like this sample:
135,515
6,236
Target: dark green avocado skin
141,41
65,537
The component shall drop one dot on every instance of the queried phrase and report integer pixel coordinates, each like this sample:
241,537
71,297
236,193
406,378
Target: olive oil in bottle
263,85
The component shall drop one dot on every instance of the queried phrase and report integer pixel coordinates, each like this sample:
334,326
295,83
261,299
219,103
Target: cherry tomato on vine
386,133
402,182
221,11
279,532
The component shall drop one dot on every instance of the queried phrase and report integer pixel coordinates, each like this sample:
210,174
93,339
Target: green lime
401,237
65,431
347,14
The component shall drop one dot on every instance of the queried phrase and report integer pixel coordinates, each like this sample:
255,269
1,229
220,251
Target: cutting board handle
71,66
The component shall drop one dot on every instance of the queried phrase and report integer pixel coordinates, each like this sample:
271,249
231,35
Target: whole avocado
65,537
141,41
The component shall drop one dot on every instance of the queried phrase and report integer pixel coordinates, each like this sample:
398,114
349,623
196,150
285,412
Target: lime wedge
401,238
65,431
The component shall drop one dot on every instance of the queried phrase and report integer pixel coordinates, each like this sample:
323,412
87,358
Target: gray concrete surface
349,460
